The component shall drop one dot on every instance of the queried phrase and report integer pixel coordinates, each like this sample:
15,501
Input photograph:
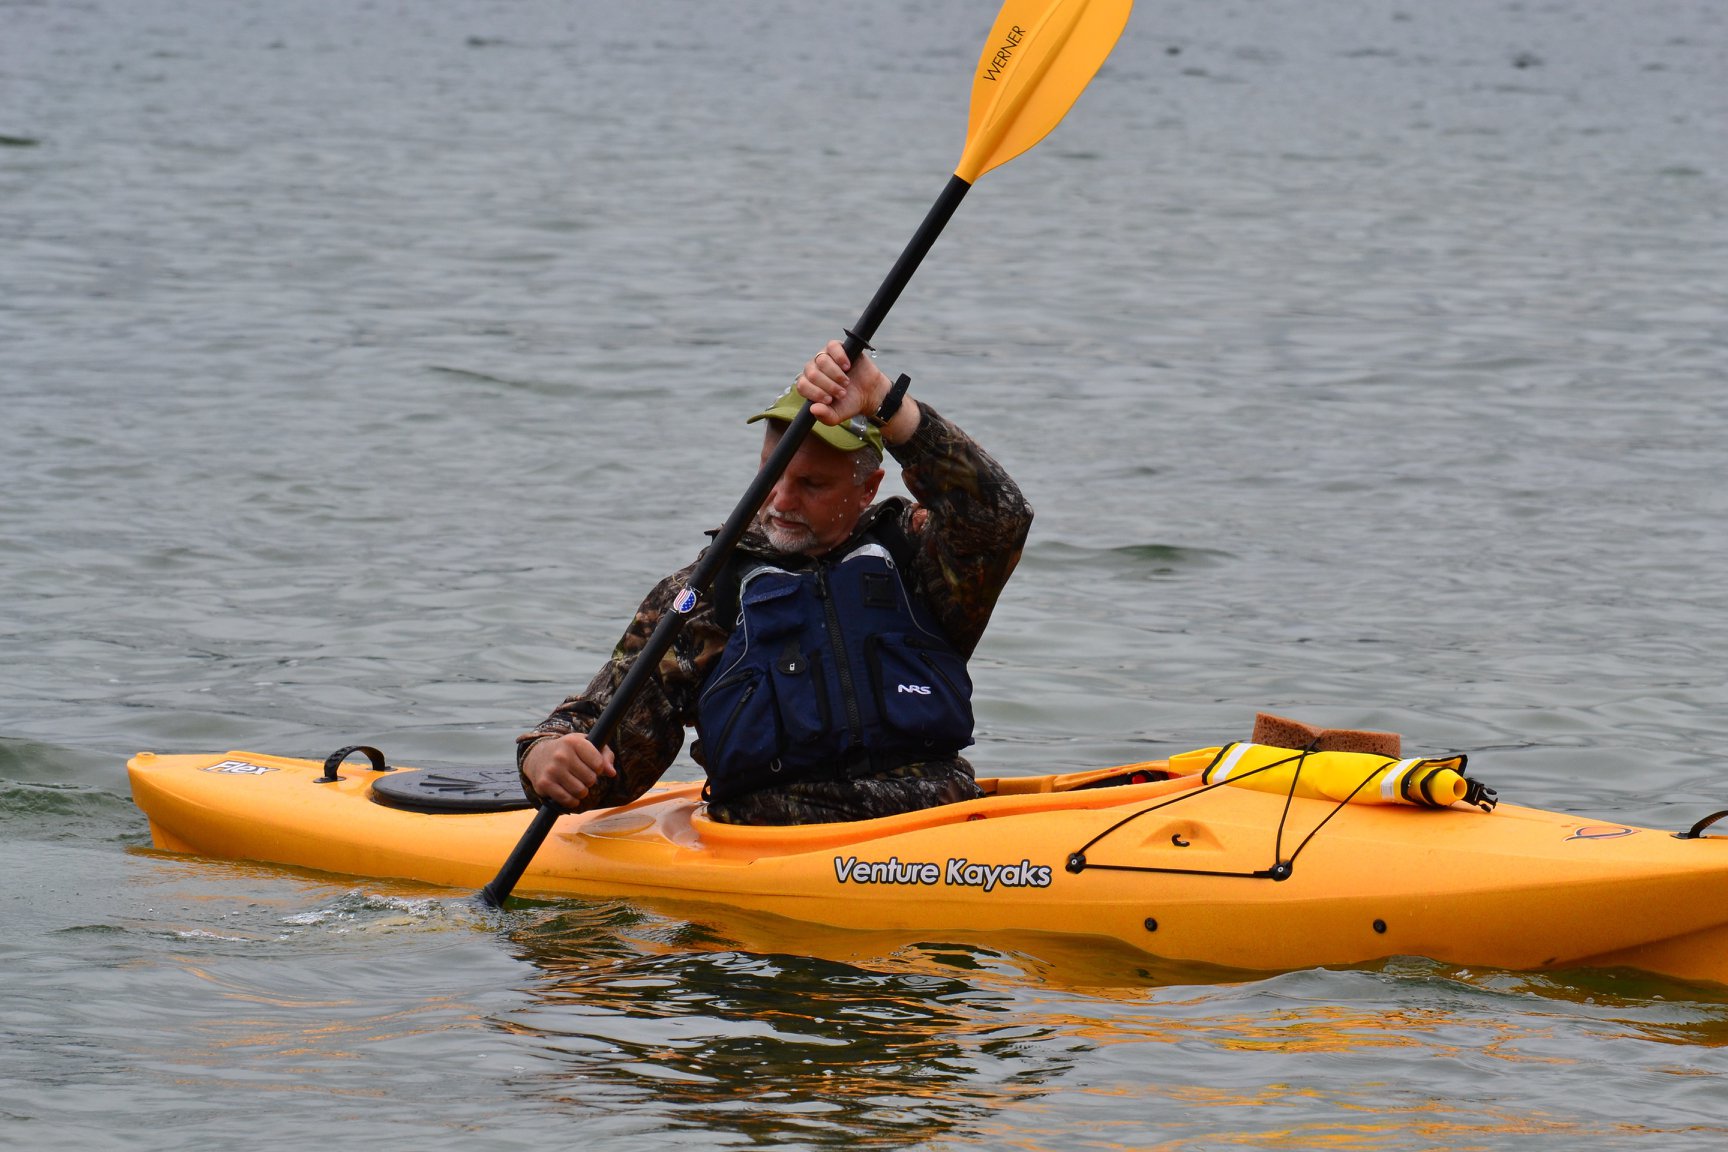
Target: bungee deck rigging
1427,782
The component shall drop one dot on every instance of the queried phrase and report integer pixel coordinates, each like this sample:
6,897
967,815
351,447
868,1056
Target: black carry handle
334,761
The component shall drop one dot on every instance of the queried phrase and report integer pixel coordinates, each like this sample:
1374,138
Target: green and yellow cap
850,436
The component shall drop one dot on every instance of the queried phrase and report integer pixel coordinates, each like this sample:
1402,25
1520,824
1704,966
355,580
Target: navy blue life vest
832,672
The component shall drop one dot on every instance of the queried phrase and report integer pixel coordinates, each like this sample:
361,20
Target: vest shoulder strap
725,590
890,532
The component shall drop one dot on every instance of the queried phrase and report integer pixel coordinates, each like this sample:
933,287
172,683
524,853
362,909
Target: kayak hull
1171,868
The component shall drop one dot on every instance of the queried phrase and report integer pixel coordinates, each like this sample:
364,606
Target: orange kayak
1154,857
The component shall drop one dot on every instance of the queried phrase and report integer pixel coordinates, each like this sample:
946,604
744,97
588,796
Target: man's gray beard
798,540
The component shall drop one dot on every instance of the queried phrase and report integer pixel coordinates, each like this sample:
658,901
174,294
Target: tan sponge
1279,732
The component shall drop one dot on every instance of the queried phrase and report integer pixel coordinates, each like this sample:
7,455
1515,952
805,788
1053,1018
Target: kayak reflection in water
825,674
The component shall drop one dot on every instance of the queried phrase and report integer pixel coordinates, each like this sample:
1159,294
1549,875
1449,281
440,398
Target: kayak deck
1167,866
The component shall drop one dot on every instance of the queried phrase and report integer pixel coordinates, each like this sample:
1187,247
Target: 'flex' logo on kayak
239,768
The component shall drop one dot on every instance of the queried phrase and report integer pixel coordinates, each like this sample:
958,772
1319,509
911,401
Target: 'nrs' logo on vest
921,689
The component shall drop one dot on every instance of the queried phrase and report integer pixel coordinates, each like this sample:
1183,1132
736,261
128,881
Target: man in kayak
825,674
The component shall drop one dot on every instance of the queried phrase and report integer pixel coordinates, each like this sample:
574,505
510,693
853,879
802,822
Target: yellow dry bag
1344,777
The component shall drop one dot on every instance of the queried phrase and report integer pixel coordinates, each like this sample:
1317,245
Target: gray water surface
362,364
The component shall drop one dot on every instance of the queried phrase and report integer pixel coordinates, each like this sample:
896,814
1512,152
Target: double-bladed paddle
1040,56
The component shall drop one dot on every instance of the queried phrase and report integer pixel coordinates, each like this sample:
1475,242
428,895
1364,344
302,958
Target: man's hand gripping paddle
1040,56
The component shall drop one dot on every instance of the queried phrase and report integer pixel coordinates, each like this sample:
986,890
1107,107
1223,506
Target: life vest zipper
737,711
936,670
843,666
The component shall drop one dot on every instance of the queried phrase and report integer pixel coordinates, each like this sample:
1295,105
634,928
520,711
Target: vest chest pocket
769,606
801,692
795,681
921,690
749,728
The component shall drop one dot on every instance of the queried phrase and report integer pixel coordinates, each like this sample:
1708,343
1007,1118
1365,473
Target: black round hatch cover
452,790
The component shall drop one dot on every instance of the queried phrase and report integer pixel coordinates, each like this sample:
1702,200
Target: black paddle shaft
708,567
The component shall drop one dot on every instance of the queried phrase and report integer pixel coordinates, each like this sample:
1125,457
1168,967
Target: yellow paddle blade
1040,56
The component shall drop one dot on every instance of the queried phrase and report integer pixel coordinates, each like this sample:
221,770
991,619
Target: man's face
817,500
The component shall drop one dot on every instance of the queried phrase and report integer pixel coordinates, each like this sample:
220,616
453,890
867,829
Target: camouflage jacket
967,529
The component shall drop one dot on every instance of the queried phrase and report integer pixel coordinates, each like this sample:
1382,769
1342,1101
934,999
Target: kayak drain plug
1151,924
1380,927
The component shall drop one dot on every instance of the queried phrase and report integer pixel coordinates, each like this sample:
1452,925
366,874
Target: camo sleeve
969,523
652,730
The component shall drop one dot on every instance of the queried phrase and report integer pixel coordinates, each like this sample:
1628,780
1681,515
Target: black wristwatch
891,402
